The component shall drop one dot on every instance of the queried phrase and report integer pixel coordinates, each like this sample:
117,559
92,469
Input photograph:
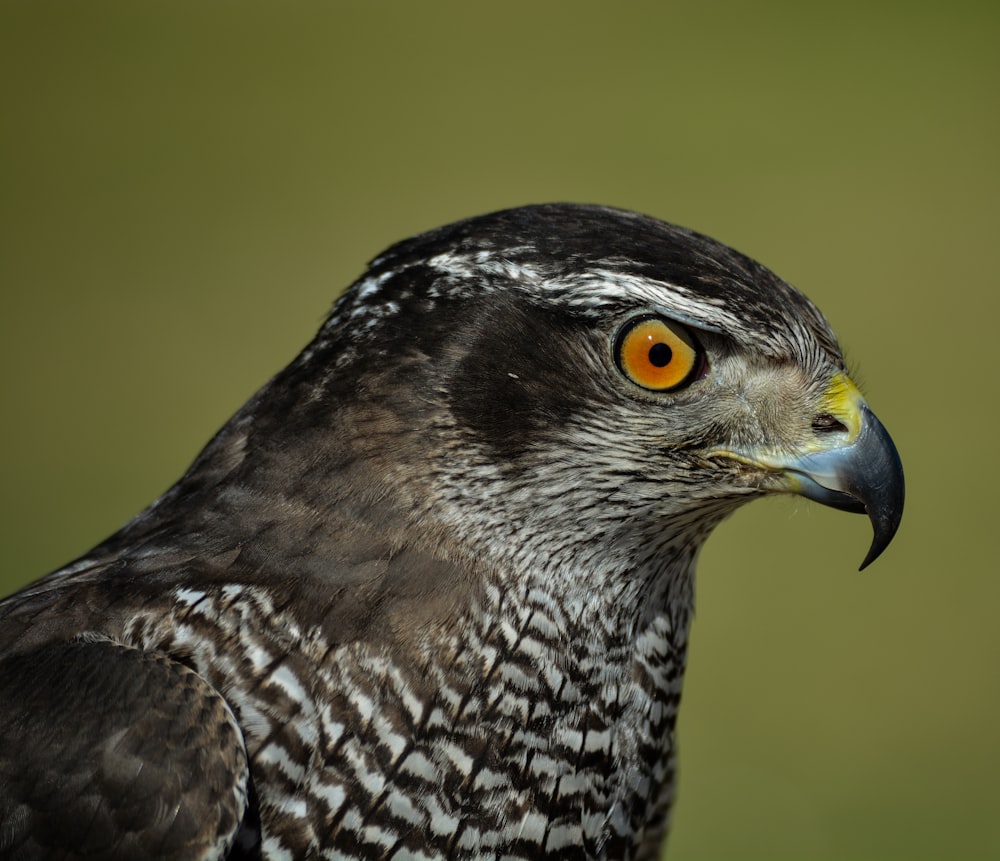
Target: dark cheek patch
520,376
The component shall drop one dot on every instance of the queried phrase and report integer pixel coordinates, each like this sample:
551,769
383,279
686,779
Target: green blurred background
185,187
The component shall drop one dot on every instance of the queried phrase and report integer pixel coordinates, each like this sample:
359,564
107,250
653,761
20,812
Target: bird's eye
656,354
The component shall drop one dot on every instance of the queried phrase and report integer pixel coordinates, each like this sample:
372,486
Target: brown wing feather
110,753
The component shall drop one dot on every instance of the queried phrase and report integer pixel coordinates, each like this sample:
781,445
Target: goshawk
427,595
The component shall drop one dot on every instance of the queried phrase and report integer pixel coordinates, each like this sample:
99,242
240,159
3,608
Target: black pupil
660,355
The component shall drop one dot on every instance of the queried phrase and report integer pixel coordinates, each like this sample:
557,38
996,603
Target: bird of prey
427,594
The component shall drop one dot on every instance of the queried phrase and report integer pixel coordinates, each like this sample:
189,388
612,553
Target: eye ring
657,354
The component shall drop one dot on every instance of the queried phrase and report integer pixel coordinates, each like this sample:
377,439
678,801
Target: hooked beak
864,476
860,473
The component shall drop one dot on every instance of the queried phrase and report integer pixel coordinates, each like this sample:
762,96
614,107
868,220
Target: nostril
826,423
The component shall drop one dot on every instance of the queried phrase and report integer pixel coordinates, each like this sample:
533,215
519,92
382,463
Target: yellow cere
843,401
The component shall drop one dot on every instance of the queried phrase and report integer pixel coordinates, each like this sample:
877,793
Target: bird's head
572,380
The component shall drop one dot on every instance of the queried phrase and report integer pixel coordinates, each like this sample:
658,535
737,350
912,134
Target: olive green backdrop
185,188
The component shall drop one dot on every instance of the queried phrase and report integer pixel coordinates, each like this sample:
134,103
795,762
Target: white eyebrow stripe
593,286
597,286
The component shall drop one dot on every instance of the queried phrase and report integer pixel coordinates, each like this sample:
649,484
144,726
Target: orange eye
656,354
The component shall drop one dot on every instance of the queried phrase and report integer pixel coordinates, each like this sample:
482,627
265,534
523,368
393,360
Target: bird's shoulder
117,752
130,659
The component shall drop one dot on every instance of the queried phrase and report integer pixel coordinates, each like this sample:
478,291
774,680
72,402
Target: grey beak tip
884,523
